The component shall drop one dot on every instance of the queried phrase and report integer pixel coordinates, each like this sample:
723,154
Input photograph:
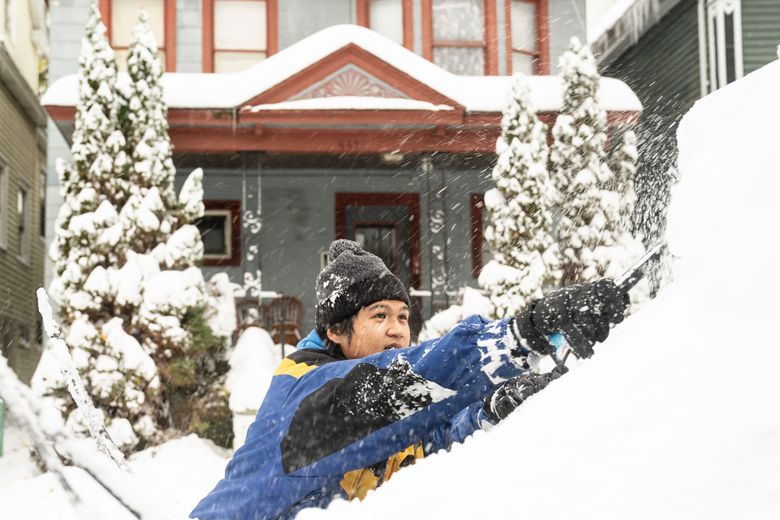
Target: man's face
377,327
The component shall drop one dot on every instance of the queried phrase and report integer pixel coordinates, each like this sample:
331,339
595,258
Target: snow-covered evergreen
525,258
592,234
135,305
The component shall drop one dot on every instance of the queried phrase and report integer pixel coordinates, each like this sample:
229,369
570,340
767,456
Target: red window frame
234,206
169,45
411,200
488,44
271,32
542,54
364,19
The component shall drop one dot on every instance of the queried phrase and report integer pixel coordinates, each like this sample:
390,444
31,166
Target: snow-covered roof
232,90
623,25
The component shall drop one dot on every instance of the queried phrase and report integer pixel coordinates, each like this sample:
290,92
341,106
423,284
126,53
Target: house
22,180
673,52
369,120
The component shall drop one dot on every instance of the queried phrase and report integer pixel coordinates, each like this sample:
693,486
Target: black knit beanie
353,279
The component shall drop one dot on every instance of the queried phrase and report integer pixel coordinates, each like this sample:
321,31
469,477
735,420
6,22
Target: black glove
511,394
583,313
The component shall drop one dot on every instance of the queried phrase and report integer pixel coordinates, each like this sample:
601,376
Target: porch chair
285,314
249,313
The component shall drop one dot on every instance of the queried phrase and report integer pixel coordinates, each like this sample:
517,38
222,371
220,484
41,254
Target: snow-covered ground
671,419
673,416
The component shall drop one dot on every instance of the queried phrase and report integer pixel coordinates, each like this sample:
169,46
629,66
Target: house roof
624,24
235,90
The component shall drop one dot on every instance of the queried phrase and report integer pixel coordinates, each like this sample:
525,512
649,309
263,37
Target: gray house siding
760,35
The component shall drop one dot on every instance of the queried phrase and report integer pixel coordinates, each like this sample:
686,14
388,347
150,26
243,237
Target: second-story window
237,33
523,36
240,34
390,18
121,17
458,36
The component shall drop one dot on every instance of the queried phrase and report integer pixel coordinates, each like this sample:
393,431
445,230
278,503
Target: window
42,206
720,38
237,33
380,239
458,36
390,18
3,203
220,231
24,225
121,16
527,29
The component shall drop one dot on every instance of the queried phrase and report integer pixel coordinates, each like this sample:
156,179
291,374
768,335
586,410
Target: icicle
75,385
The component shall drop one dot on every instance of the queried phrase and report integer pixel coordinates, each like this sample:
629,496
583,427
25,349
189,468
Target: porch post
436,196
251,222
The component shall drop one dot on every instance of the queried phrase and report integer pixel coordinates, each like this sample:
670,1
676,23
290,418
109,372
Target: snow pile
672,417
252,365
168,480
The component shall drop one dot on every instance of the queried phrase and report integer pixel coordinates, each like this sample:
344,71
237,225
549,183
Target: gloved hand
512,393
583,313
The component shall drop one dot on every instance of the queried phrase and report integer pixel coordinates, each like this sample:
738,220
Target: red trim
217,131
412,200
169,28
235,231
489,42
542,52
408,25
491,39
271,31
477,204
427,29
353,54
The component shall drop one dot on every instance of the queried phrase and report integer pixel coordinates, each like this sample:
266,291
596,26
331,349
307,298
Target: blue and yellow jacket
330,426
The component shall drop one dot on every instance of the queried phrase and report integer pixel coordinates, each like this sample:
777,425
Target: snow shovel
625,282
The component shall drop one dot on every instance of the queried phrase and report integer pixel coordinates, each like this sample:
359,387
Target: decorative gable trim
350,80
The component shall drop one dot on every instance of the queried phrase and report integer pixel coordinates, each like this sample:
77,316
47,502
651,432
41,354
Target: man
353,405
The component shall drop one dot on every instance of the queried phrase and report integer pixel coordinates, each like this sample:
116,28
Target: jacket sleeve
353,414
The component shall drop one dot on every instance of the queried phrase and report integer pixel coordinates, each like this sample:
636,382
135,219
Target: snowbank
672,417
180,472
252,365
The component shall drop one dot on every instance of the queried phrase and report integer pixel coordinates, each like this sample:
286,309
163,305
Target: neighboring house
309,131
22,180
673,52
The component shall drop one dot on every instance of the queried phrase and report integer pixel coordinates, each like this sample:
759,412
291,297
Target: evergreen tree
588,210
150,359
624,164
524,252
88,243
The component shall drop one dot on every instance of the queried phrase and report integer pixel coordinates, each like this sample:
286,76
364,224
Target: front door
387,225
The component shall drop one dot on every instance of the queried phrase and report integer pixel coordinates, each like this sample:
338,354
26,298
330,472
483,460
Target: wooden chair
285,315
249,313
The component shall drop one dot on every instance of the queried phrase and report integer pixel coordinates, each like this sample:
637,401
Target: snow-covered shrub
135,305
525,258
593,201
